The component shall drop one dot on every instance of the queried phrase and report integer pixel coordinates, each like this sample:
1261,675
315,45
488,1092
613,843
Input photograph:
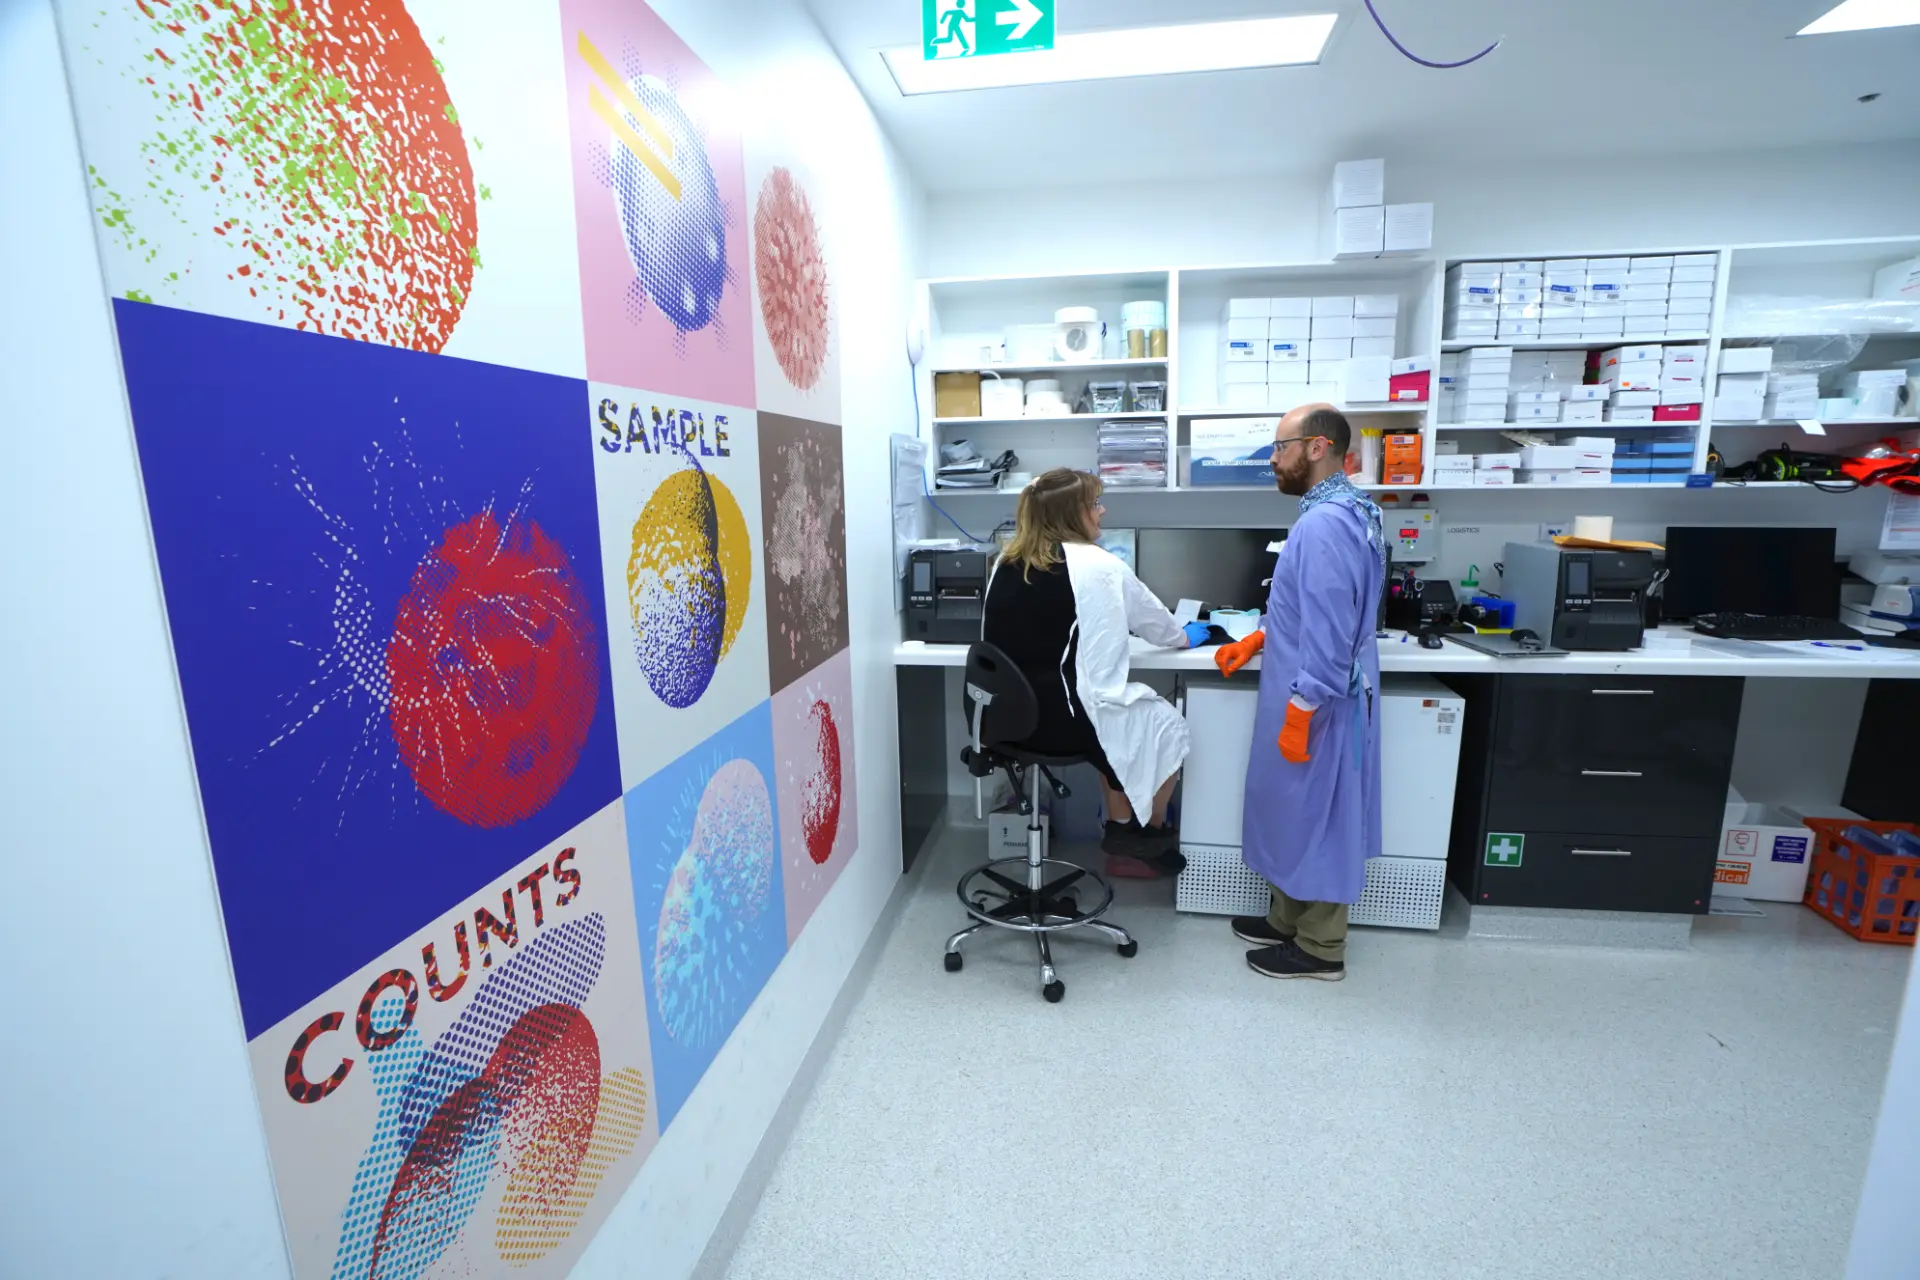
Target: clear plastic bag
1782,316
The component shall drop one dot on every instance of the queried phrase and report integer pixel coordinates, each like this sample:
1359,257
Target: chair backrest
998,701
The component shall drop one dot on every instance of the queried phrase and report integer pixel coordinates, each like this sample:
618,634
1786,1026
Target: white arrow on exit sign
1022,17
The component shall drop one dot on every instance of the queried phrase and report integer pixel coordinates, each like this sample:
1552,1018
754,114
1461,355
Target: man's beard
1294,480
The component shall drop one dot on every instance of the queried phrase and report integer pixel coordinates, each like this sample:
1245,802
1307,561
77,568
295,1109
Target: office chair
1002,713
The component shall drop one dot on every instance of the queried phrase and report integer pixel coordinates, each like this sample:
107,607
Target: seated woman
1062,608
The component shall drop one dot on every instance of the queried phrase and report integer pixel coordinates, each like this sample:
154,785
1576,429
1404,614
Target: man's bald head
1321,420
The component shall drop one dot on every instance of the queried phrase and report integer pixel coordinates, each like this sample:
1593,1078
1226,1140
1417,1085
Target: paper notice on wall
909,487
1901,529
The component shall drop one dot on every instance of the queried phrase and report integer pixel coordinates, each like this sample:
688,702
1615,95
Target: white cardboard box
1411,364
1738,408
1249,308
1366,380
1333,305
1290,371
1631,354
1333,327
1583,411
1290,329
1360,232
1359,182
1593,391
1326,372
1409,228
1376,305
1746,359
1703,289
1371,347
1238,350
1286,352
1694,275
1330,349
1475,329
1246,329
1284,308
1373,327
1764,854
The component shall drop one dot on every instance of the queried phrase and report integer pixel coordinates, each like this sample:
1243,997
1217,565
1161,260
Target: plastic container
1873,896
1030,343
1001,397
1077,334
1149,397
1106,397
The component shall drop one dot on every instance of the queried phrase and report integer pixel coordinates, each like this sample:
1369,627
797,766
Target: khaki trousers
1317,928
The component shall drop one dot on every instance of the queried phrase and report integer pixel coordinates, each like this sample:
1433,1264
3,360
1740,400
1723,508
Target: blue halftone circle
678,246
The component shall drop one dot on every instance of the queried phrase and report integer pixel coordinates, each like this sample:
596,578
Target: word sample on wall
484,374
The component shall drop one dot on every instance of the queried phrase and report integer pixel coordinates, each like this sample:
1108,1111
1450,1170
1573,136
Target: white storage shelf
1196,301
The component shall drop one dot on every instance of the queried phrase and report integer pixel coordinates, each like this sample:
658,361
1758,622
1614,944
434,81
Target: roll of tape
1593,528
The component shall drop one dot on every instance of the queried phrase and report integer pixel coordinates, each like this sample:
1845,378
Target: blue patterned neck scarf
1337,488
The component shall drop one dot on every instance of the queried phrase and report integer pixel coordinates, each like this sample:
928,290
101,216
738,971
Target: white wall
1569,206
133,1145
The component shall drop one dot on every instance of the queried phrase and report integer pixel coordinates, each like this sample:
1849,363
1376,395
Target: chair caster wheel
1054,991
953,962
1128,950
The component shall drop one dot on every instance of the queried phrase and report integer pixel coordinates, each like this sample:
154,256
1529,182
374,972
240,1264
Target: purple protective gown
1310,828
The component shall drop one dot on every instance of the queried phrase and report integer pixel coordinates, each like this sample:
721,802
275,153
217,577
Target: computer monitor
1775,572
1221,568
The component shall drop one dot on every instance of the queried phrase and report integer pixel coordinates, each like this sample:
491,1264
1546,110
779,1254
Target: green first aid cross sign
976,28
1504,848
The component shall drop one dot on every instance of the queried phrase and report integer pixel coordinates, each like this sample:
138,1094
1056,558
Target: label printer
1576,597
946,595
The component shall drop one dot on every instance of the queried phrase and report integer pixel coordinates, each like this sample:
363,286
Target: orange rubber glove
1293,734
1231,657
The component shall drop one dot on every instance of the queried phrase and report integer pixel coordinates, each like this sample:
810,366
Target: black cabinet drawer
1613,755
1599,873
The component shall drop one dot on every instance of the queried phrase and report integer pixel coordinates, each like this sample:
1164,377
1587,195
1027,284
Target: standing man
1312,816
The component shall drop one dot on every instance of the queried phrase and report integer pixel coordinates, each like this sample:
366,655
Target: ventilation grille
1401,893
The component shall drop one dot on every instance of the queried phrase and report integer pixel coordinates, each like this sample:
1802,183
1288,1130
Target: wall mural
485,381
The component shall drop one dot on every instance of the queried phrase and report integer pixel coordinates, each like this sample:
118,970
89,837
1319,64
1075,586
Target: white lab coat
1144,738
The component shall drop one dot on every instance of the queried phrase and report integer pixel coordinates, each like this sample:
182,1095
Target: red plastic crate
1873,896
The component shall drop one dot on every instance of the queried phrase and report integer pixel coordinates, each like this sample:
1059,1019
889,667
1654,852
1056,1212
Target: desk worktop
1704,656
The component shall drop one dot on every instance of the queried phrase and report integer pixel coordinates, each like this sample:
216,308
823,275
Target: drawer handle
1601,853
1611,773
1635,693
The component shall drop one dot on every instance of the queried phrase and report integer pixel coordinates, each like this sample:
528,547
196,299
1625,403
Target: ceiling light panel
1864,15
1108,55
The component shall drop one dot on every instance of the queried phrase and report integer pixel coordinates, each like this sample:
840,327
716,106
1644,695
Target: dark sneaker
1289,961
1128,840
1256,930
1160,867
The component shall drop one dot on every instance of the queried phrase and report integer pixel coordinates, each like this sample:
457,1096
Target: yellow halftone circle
670,539
736,560
541,1207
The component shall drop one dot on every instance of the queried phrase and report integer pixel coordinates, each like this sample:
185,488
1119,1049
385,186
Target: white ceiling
1604,79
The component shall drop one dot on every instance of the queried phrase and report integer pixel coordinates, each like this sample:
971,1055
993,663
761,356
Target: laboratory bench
1590,781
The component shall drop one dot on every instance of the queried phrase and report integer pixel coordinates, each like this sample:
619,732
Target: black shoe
1256,930
1127,840
1288,961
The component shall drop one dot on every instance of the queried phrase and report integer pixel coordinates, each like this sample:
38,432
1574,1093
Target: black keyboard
1760,626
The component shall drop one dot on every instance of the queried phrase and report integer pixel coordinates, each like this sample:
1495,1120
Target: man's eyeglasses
1280,447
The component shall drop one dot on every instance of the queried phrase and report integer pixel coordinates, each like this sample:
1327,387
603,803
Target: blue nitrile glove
1197,634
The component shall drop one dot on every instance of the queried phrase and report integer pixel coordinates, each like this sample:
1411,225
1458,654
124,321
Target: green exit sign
976,28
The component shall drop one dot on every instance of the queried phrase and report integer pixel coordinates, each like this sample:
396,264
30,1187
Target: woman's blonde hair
1053,509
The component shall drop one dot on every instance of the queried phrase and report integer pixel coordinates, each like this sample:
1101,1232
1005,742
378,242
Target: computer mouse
1528,640
1431,640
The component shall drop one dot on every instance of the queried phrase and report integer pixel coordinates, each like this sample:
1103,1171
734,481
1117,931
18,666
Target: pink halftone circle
792,275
